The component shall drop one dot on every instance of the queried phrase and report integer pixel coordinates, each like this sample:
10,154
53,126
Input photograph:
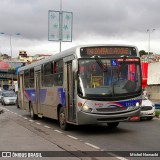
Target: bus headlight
137,104
86,109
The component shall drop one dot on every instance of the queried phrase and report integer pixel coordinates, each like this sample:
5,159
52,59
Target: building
23,57
40,56
8,72
150,58
9,67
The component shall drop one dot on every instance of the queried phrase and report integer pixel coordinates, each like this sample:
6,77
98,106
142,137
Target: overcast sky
94,21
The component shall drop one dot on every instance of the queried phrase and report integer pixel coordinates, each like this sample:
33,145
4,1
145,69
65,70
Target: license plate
145,113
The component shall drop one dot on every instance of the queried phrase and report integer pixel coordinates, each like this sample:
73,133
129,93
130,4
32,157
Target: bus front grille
113,119
114,109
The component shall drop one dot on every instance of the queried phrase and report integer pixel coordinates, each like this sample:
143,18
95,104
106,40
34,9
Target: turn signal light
79,104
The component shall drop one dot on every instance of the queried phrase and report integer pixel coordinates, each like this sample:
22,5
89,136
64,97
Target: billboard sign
53,25
60,26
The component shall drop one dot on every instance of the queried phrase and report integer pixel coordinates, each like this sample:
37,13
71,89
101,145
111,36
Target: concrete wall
153,92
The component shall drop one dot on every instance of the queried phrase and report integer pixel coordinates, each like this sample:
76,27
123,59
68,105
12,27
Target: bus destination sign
104,51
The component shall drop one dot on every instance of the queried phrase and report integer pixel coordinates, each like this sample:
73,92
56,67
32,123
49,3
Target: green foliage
157,113
142,52
11,70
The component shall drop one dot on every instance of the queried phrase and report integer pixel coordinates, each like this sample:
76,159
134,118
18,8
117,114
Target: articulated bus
84,85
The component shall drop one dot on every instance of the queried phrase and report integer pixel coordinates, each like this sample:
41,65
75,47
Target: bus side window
26,78
31,78
48,74
58,73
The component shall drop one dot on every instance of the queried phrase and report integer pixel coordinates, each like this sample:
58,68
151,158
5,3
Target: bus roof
71,51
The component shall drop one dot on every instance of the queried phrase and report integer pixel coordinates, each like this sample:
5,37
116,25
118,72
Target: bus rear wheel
113,124
62,119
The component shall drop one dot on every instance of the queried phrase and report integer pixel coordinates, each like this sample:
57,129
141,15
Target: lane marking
46,126
38,123
58,131
114,155
5,109
91,145
72,137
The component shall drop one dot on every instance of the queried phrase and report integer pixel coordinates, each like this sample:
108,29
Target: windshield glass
9,94
108,77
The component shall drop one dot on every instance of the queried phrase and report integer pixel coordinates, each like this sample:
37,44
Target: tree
142,52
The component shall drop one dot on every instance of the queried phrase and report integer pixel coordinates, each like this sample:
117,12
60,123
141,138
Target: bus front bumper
90,118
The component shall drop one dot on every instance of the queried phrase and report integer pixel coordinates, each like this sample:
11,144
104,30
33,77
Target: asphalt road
128,136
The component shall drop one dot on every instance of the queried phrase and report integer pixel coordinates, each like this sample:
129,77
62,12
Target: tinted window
48,75
58,73
29,78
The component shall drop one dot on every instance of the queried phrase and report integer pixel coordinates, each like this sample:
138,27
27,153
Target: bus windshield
106,77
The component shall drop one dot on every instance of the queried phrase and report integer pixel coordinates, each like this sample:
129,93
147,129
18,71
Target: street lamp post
149,34
10,38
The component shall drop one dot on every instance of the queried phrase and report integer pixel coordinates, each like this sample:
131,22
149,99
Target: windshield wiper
123,63
100,63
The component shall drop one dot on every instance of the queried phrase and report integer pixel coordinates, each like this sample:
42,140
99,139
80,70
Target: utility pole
149,36
10,42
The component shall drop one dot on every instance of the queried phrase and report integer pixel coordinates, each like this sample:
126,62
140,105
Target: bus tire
113,124
33,116
62,119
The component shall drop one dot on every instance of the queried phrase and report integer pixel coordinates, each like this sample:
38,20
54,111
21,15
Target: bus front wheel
62,119
113,124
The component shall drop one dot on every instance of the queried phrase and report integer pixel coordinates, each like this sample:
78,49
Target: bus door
21,94
37,91
70,91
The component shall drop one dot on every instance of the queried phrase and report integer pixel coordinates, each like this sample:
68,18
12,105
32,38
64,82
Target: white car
0,95
8,97
147,109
